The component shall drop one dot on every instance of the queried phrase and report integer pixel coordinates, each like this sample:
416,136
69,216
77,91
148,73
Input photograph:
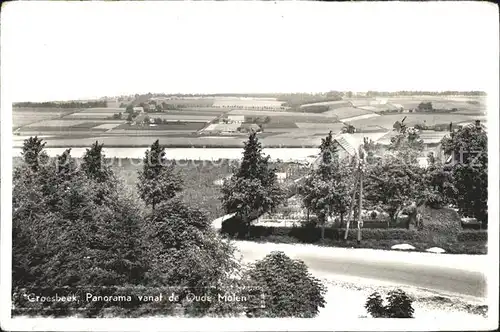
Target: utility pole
351,207
353,198
360,220
361,165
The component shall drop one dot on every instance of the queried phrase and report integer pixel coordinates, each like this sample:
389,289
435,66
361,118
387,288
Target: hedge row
472,236
313,234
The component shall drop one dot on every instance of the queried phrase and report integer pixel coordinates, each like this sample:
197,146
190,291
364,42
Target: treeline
64,104
424,93
295,100
78,230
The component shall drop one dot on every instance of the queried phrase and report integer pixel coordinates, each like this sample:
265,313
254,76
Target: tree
425,106
326,190
129,109
66,233
399,305
348,128
253,188
469,150
94,164
158,180
289,289
439,180
130,117
147,120
396,180
186,252
33,154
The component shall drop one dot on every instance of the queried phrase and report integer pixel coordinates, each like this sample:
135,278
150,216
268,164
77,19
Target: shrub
289,289
375,305
399,305
472,236
311,234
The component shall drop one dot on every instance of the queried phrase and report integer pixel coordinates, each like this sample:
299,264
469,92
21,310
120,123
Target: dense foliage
469,168
327,189
158,181
289,289
399,305
253,188
78,228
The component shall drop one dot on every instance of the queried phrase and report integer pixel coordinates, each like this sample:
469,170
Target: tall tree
33,153
69,232
326,190
158,180
469,150
94,164
253,188
185,251
396,180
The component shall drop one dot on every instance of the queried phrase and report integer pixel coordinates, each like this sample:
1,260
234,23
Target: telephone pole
360,157
360,219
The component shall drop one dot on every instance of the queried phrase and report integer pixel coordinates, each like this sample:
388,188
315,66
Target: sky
72,50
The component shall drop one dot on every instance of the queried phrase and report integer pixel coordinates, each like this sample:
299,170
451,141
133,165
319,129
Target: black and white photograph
249,166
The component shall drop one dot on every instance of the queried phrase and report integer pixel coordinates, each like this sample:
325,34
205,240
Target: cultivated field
297,115
192,102
182,117
175,126
88,115
102,110
330,104
192,111
327,126
248,102
27,115
387,120
346,112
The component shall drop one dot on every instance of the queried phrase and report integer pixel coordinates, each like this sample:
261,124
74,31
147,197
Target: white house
236,118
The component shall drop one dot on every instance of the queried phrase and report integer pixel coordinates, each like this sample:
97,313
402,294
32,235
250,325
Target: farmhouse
432,143
236,118
473,124
227,127
347,144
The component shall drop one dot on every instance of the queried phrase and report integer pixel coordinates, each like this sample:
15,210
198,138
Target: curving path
455,274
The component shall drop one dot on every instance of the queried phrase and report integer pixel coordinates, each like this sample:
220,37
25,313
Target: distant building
236,118
227,127
139,109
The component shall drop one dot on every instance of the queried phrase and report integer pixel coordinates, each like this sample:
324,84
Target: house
473,124
432,143
348,144
139,109
227,127
236,118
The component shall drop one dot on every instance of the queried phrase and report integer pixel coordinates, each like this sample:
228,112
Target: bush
311,234
472,236
289,289
399,305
